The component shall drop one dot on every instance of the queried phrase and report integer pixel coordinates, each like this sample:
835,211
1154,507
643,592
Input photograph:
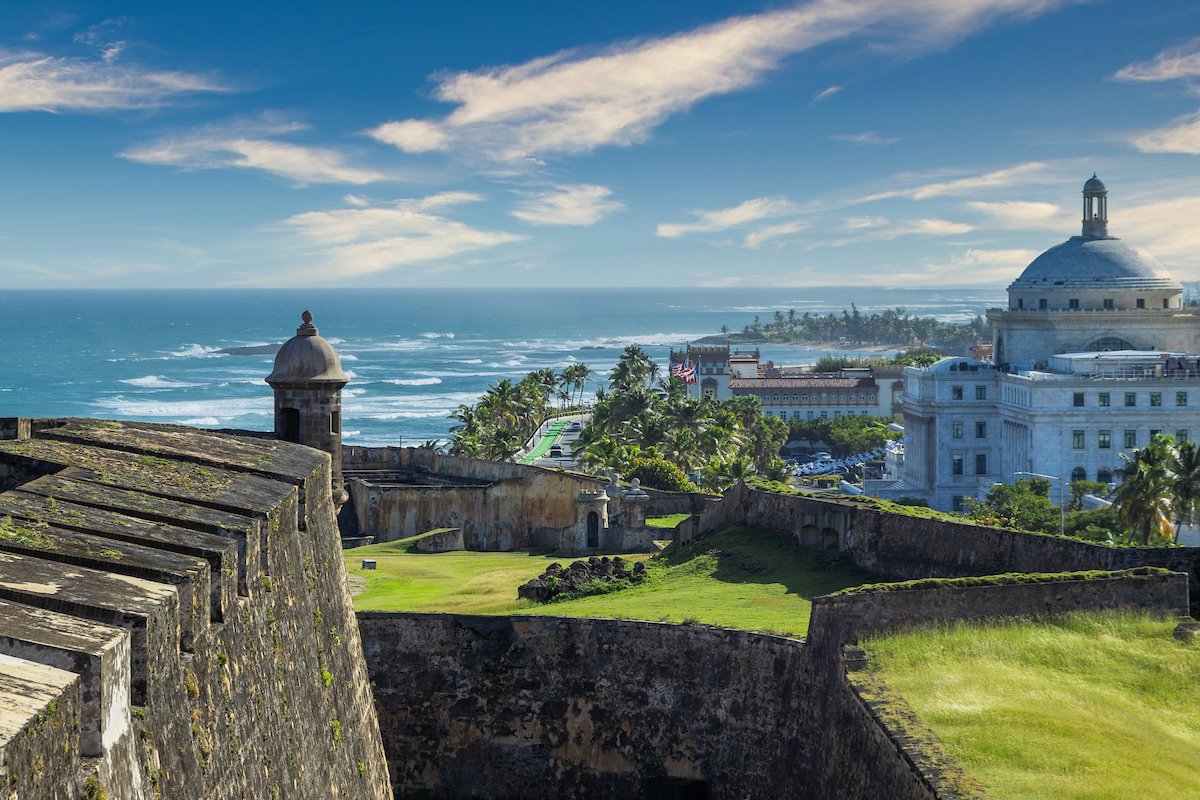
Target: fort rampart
174,619
902,547
542,707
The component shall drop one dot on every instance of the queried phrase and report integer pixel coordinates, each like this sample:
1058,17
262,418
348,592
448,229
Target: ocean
413,355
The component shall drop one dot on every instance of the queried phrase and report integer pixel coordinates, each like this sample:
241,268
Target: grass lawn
741,578
666,521
1090,706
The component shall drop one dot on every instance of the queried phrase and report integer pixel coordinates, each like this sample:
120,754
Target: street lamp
1061,509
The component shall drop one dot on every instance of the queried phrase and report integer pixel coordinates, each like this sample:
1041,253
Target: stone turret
308,381
633,504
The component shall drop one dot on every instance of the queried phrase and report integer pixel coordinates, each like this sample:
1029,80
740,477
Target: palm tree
1143,499
1185,488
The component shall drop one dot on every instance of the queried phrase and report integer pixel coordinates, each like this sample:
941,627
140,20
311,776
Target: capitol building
1094,355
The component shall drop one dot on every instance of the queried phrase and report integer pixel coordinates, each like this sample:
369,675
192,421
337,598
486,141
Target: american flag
685,371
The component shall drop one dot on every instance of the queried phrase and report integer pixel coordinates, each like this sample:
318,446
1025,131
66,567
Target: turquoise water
413,356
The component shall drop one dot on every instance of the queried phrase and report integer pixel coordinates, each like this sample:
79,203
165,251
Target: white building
1094,355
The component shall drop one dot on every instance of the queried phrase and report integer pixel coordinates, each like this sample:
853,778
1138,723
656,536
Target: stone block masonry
190,587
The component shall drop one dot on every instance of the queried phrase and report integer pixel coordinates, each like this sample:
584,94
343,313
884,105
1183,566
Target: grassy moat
1093,706
740,578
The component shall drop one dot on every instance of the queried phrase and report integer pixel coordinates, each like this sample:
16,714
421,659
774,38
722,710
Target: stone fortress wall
398,492
540,707
901,547
174,621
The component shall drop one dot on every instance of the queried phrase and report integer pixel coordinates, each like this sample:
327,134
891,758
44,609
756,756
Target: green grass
666,521
740,578
1097,706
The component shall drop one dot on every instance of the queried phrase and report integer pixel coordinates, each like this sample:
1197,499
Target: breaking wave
431,381
159,382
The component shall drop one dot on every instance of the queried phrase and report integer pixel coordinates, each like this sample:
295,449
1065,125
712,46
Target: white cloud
572,204
362,241
866,137
37,82
826,93
1031,172
1181,136
1171,64
1165,229
412,136
974,266
1023,214
759,237
862,223
925,227
247,145
725,218
571,102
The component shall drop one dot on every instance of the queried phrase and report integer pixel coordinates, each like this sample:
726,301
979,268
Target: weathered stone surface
111,526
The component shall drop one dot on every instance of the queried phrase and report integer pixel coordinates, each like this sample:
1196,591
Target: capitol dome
307,358
1095,270
1095,264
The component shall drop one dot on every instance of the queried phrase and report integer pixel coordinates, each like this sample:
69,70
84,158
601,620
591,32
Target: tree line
893,326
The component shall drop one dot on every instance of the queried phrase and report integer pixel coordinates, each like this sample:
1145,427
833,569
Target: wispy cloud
1182,135
31,81
1024,214
572,102
826,93
973,266
1159,228
863,223
866,137
577,204
757,238
725,218
251,145
1031,172
1174,63
366,240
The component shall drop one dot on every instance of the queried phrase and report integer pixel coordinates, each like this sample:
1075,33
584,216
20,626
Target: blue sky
893,142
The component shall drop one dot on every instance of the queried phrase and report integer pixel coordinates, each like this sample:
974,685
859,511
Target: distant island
893,327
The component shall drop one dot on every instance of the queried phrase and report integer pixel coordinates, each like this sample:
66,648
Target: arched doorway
829,539
593,530
1078,474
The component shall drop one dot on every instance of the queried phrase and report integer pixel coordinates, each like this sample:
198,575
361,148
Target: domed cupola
308,381
1095,270
1095,209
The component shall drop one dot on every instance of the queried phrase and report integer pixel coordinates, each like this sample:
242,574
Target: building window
1131,398
956,465
1130,439
1154,432
1166,303
824,414
1042,303
956,429
1104,402
1181,436
956,393
1073,303
981,463
1077,400
335,422
980,430
1108,304
981,393
1021,304
1155,399
1141,302
1105,440
1077,440
1104,476
956,503
1078,474
1181,398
